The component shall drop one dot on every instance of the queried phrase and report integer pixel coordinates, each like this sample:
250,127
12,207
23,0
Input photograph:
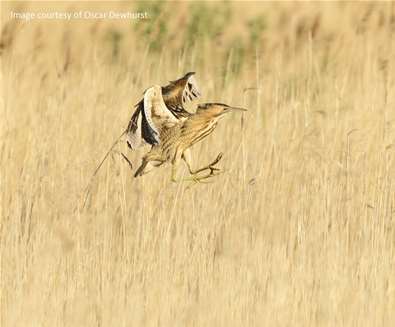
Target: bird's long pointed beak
238,108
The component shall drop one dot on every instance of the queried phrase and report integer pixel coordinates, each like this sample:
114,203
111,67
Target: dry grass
300,231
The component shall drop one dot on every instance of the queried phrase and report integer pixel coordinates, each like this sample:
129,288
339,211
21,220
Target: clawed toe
219,157
213,170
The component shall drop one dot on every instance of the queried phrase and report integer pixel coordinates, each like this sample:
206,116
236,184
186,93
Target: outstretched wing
150,117
161,108
156,116
179,92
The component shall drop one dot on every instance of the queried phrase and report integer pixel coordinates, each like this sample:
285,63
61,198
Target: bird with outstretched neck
176,141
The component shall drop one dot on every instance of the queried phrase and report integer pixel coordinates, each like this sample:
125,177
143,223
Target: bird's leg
186,156
174,166
208,167
194,173
174,173
187,159
199,179
211,165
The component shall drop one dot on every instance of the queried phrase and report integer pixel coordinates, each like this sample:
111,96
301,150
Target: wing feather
156,115
180,92
191,89
161,108
133,133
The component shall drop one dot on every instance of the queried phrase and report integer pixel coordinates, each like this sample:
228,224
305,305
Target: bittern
160,108
148,119
176,141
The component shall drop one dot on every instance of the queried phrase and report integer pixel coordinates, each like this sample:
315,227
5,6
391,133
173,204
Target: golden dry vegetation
299,231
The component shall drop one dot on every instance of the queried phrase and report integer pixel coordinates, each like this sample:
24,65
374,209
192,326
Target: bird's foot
210,166
196,177
214,171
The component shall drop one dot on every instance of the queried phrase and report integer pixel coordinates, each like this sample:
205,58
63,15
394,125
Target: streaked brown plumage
176,141
161,108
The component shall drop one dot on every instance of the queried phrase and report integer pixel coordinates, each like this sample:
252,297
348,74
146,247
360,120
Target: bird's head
216,109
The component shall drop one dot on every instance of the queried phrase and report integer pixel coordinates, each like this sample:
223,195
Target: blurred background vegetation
230,35
224,37
298,231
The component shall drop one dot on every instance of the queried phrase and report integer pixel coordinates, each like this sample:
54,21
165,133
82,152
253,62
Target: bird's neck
202,125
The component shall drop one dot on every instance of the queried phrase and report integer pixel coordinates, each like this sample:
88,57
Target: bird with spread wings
160,108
